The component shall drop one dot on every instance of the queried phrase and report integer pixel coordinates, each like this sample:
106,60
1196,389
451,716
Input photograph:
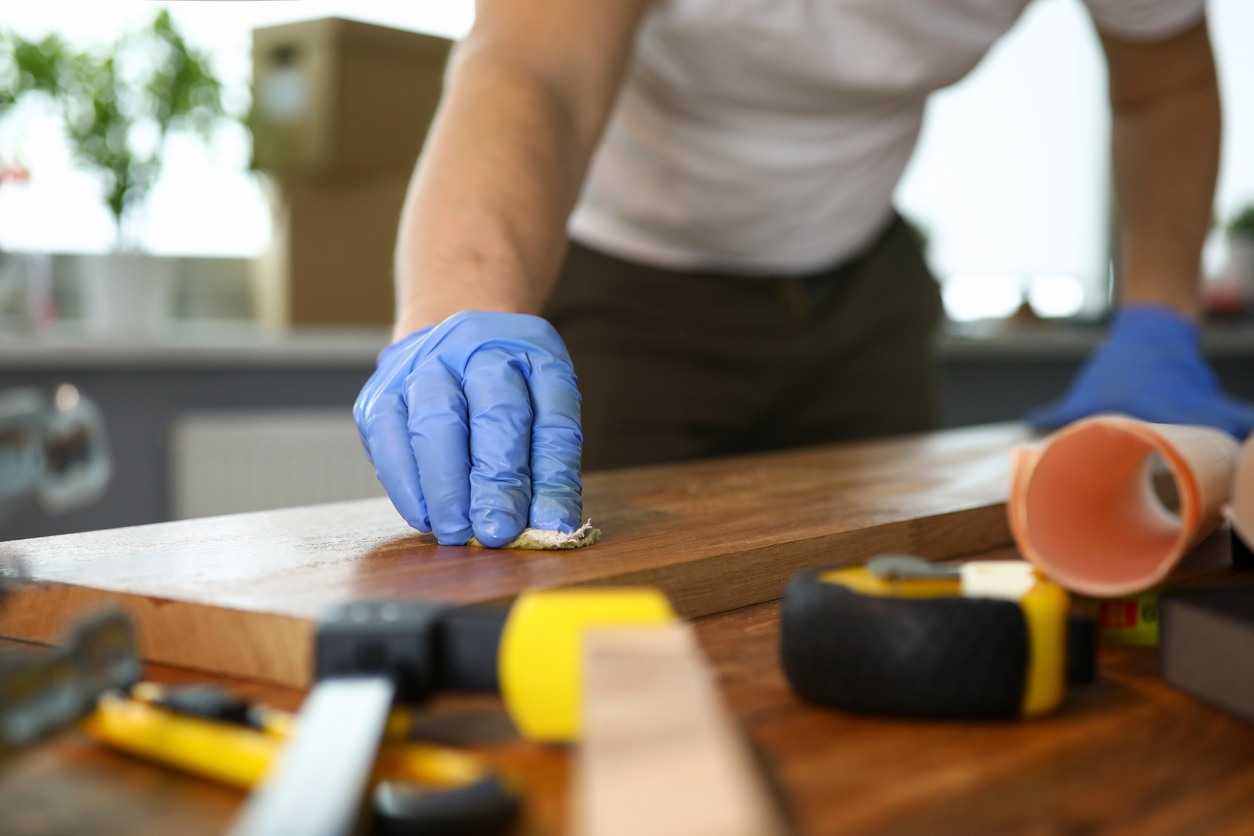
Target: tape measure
901,636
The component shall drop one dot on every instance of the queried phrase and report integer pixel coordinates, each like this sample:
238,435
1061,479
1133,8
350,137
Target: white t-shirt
767,136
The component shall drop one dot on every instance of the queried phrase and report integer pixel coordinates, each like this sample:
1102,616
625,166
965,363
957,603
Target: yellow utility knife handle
240,757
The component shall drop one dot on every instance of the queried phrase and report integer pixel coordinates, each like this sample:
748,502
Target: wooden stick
659,754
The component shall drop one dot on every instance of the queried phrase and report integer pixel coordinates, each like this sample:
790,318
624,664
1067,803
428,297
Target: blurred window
1010,181
1011,177
206,202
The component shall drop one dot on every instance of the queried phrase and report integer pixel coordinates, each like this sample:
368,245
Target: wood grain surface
236,595
1128,755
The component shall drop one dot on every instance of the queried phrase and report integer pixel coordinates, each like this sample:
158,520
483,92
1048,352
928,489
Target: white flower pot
125,293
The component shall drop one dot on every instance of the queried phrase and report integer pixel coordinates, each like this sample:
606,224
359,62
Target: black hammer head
381,638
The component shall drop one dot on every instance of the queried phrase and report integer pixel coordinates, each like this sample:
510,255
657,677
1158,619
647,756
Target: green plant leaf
1242,222
101,110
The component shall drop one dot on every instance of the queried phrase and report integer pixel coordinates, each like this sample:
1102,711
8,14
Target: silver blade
318,785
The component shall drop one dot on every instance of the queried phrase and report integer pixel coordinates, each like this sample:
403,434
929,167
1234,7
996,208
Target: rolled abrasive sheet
1083,507
1241,509
543,539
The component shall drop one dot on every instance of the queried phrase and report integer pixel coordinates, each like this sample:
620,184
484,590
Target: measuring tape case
852,641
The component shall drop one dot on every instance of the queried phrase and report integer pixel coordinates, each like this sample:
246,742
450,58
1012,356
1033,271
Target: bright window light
206,202
969,298
1011,176
1056,296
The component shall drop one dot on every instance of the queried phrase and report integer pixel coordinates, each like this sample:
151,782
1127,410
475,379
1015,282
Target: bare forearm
484,221
1165,143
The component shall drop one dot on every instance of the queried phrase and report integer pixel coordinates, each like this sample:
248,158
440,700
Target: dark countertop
241,344
200,345
994,340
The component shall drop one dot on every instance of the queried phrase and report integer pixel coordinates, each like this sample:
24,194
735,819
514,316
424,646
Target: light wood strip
659,755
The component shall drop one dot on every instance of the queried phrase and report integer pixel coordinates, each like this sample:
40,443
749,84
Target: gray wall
983,381
139,405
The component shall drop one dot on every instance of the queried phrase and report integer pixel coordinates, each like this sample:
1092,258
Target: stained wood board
237,595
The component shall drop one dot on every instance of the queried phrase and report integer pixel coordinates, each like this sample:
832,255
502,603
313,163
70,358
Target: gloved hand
1150,367
473,426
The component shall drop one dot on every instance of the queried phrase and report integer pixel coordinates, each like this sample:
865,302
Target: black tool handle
42,691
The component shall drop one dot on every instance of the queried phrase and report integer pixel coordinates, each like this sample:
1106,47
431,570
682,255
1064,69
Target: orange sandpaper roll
1241,511
1083,507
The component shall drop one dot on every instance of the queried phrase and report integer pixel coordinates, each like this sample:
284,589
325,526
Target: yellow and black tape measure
900,636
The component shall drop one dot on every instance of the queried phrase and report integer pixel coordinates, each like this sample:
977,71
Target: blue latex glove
1150,367
473,426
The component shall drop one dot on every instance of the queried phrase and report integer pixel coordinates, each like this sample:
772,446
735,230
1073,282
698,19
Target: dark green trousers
676,365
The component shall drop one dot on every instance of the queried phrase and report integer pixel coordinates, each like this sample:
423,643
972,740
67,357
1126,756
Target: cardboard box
330,258
333,97
341,112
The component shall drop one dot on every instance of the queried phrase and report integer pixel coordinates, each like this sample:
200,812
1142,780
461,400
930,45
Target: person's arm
527,95
472,417
1165,126
1165,145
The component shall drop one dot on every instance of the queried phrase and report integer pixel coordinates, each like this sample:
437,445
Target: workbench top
1127,755
186,345
232,599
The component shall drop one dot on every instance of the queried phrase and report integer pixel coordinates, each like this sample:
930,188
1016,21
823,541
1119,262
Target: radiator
227,462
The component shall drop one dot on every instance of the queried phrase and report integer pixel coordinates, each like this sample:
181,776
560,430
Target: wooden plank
1127,755
236,595
658,754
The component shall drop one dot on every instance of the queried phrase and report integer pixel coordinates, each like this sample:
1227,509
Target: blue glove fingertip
438,438
495,530
557,513
382,426
499,406
459,538
556,446
456,467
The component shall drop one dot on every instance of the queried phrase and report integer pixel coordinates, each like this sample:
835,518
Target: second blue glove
473,427
1150,367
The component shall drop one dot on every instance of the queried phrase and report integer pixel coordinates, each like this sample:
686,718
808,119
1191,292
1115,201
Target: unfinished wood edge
724,582
659,753
237,643
992,524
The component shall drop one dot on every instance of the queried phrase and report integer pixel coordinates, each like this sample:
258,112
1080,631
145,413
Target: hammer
372,655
